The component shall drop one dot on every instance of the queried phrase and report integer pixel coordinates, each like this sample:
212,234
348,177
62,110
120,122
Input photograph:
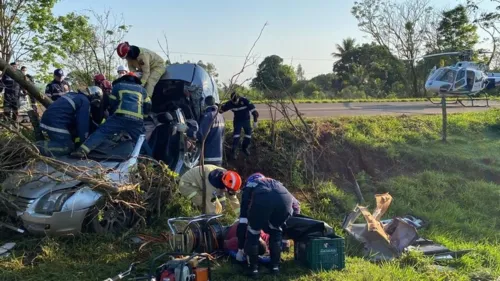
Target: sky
223,31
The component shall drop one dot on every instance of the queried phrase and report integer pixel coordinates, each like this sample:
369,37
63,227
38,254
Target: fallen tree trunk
30,87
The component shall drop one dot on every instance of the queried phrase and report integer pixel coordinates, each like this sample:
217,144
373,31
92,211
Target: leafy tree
326,82
455,31
400,26
273,76
30,32
210,68
347,45
300,73
368,62
96,53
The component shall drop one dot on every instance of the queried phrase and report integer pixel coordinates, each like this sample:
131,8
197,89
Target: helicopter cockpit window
445,75
460,81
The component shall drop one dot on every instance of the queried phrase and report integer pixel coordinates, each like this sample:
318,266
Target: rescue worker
128,105
66,121
100,113
242,108
122,70
11,94
101,82
58,86
265,205
218,182
143,60
214,143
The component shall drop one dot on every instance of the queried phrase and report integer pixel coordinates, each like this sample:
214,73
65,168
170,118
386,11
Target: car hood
44,178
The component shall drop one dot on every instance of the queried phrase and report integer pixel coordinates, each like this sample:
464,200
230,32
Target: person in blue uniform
242,109
129,104
66,122
214,143
265,205
58,87
11,94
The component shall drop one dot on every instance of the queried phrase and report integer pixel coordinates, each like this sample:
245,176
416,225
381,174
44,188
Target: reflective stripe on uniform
253,231
239,108
248,136
213,159
85,148
70,101
138,114
243,220
273,227
56,130
252,110
236,136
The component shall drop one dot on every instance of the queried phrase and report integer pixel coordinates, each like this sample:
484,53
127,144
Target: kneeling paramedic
266,205
64,117
242,108
218,181
128,105
214,143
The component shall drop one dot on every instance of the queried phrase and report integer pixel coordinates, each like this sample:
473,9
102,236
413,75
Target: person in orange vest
143,60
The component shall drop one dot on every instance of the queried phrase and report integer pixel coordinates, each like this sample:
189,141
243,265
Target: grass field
455,187
362,100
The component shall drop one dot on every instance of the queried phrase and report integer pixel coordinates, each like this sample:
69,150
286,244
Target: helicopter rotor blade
441,54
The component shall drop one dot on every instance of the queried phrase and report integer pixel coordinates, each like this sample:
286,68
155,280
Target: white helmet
121,68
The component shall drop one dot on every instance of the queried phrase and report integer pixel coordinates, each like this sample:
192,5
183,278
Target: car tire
110,219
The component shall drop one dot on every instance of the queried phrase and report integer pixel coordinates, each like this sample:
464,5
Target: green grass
455,187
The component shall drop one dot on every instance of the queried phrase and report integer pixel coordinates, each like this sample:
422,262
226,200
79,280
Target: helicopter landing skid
466,100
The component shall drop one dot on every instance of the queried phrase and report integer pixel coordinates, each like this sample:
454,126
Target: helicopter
465,80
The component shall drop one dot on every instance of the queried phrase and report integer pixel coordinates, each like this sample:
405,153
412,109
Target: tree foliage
274,76
455,31
96,53
210,68
30,32
300,73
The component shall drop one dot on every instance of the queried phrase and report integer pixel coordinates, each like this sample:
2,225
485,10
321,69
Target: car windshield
445,75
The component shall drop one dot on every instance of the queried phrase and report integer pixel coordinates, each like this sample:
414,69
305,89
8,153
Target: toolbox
321,253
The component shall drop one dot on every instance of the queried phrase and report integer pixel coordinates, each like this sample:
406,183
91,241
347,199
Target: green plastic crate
322,253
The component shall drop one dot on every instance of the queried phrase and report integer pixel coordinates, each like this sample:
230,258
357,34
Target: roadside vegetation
453,186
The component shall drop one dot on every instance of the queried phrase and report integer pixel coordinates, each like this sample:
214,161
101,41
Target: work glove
255,125
182,128
240,256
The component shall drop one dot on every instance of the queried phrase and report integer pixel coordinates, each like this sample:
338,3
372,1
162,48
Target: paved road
365,108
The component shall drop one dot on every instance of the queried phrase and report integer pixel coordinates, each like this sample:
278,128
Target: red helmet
231,180
122,49
98,78
106,85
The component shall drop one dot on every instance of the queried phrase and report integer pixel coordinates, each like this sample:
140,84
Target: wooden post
445,118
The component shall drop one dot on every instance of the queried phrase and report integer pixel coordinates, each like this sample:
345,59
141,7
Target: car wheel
111,219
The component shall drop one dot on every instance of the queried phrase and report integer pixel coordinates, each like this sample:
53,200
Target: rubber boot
275,253
253,262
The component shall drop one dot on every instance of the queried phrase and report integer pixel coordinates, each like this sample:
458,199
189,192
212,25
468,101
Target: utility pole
445,117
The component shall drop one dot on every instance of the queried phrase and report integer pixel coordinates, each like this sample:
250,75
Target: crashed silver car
53,203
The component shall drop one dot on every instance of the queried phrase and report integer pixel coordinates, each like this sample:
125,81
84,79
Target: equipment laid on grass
464,81
201,234
321,253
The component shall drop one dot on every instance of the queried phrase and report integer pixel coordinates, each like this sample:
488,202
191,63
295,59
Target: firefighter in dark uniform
58,86
215,140
265,205
11,94
66,121
129,104
242,108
